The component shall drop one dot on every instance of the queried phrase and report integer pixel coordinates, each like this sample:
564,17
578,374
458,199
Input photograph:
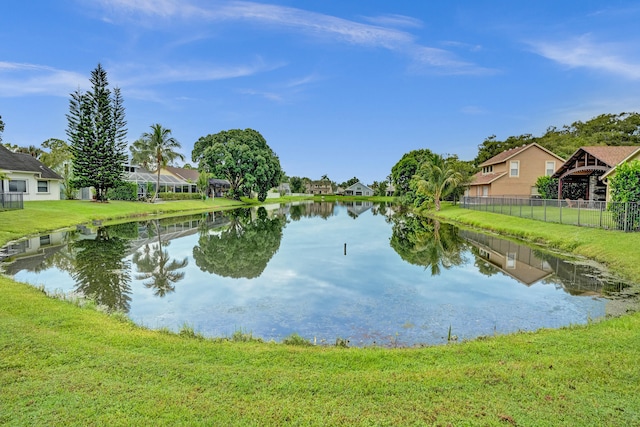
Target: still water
355,271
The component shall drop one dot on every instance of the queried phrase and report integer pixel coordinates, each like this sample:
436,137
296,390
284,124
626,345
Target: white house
27,175
358,189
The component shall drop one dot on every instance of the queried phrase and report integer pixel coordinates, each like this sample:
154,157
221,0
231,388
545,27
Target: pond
357,271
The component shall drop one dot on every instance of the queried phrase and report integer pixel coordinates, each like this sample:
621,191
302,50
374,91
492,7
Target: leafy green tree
547,187
60,159
156,267
96,129
436,178
244,248
203,184
402,173
243,158
297,184
467,170
1,128
624,188
156,148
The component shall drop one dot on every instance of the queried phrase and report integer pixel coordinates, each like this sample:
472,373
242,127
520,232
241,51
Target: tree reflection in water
101,271
156,268
243,249
427,242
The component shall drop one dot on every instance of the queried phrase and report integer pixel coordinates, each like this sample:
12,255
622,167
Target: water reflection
100,270
243,248
155,267
426,242
405,279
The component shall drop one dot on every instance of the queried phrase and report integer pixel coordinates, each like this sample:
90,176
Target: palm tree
436,178
156,267
155,150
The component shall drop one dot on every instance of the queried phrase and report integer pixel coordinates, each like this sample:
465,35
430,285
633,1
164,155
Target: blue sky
337,87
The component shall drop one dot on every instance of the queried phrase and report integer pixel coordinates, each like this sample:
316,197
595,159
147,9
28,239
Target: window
551,168
514,168
487,169
485,191
43,186
18,186
511,260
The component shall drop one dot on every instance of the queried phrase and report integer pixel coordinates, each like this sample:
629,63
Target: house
514,172
188,175
170,182
319,187
587,167
634,156
218,187
28,176
358,189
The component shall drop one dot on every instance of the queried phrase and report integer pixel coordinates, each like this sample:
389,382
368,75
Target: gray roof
20,162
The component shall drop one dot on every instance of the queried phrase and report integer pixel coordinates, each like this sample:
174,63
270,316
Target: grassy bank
65,365
615,249
39,217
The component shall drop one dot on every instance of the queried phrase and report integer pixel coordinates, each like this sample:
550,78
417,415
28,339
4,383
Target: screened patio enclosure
147,181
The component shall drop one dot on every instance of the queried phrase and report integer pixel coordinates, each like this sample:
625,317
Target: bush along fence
11,201
585,213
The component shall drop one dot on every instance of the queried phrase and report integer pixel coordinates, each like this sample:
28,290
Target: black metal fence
584,213
11,201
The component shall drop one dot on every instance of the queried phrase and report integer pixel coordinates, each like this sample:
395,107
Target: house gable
29,176
514,172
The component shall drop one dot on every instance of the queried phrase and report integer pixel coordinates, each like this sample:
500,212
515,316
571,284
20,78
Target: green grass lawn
61,364
563,215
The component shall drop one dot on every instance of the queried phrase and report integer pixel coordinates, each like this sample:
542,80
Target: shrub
547,187
295,339
180,196
625,192
124,191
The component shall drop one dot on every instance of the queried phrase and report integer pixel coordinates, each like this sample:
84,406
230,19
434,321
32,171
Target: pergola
587,165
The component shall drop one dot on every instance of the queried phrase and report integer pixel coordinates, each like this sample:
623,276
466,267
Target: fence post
520,208
560,202
545,210
578,213
626,216
601,204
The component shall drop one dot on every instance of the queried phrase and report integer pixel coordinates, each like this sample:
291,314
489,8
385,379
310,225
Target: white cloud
311,24
394,20
583,52
18,79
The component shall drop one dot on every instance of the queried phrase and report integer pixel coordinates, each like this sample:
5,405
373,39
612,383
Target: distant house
391,189
169,182
188,175
358,189
319,187
27,175
590,166
514,172
218,187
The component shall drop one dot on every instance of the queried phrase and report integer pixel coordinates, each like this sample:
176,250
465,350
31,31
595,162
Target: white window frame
517,168
550,171
26,186
46,184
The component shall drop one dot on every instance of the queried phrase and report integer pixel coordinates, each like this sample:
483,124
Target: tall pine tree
97,135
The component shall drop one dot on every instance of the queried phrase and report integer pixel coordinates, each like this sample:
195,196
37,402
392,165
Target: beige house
319,187
514,172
